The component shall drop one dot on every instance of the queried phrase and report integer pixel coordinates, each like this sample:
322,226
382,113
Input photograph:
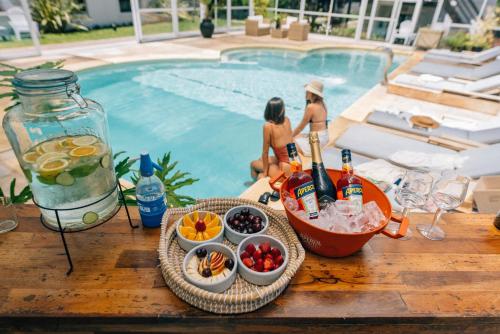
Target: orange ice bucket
333,244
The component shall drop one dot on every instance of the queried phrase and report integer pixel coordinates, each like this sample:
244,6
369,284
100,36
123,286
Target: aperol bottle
301,185
349,185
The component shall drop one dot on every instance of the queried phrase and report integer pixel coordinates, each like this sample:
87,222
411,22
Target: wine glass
448,193
412,193
8,218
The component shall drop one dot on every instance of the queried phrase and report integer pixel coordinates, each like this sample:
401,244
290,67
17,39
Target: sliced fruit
196,216
206,236
186,221
84,140
65,179
207,219
213,231
30,157
50,156
50,146
53,167
105,161
186,230
191,236
213,223
67,143
83,151
90,217
199,237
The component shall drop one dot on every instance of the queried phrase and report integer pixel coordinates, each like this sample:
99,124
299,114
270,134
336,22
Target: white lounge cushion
259,18
264,25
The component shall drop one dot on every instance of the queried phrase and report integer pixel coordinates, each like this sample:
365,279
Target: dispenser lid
44,78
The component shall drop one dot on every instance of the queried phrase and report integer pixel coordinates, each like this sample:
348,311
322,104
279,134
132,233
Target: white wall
106,12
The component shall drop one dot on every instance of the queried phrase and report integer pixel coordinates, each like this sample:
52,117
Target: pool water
209,114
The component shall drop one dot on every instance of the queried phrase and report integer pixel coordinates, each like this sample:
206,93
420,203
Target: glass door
405,19
154,19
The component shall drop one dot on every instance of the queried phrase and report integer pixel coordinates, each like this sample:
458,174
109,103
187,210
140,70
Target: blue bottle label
152,211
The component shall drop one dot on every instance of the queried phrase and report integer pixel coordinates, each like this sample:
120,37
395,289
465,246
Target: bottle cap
346,155
292,150
146,167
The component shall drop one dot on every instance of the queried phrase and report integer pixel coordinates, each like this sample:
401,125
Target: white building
107,12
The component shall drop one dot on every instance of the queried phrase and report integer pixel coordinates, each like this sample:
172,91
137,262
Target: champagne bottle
325,189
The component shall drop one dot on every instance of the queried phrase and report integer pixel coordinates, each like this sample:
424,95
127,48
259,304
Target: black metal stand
62,231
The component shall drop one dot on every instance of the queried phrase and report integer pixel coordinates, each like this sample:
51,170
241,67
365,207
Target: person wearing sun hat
315,114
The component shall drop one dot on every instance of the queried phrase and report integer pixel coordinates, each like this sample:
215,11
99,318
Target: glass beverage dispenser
61,142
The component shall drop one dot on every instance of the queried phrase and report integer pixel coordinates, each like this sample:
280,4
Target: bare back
281,134
318,117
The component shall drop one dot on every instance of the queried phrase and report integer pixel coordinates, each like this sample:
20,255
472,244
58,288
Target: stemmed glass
8,218
412,193
448,193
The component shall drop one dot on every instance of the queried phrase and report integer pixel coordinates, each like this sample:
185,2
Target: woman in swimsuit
315,115
277,133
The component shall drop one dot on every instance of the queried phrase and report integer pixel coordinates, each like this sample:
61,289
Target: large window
124,6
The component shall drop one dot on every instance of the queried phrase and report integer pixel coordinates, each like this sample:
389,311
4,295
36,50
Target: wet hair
275,111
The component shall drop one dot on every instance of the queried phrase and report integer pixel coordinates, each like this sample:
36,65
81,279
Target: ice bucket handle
403,227
275,181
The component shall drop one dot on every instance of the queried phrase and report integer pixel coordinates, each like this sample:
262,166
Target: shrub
56,16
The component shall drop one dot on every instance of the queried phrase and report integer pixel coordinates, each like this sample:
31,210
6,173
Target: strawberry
269,256
265,247
279,260
250,248
257,255
244,255
276,252
268,264
248,262
259,266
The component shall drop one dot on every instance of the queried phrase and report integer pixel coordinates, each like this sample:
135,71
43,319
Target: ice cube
348,208
374,214
291,204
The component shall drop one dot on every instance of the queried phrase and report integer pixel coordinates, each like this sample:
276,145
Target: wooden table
410,286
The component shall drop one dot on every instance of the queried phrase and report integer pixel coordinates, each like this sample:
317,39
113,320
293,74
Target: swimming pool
209,114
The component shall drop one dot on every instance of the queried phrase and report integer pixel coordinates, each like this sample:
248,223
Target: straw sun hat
315,87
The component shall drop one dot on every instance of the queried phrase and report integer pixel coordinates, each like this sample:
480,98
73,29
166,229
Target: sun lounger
451,71
401,122
440,84
473,58
332,158
378,144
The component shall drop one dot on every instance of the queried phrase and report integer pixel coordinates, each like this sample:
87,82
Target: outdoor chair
405,32
377,144
255,26
449,71
289,20
472,58
17,21
402,121
488,86
299,31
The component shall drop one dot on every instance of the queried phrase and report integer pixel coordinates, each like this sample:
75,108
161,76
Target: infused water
75,175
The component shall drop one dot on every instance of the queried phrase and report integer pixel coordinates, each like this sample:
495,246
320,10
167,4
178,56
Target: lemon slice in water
50,156
83,151
50,146
53,167
30,157
84,140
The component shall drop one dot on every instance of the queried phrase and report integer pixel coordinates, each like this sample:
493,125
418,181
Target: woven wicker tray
242,296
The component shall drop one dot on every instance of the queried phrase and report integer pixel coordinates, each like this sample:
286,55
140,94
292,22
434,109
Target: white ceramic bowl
187,244
261,278
236,237
217,287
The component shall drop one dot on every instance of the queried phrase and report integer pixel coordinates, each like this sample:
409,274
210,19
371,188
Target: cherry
200,226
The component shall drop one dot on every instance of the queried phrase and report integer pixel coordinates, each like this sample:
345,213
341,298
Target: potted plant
206,26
